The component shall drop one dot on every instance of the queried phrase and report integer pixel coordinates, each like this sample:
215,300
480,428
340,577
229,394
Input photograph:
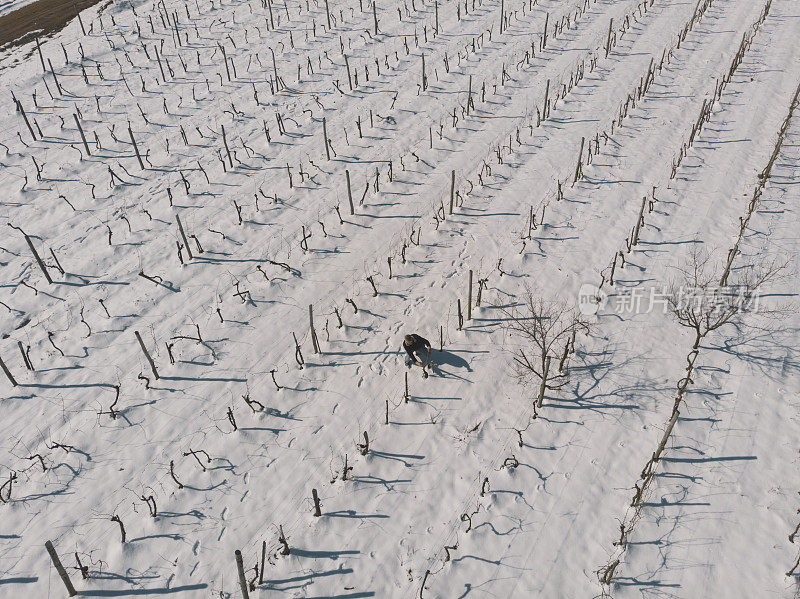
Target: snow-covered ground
9,6
230,439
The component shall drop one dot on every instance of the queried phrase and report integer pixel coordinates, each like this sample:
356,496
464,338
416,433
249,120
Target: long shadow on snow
352,514
446,358
305,578
628,582
357,595
19,580
139,592
397,457
322,554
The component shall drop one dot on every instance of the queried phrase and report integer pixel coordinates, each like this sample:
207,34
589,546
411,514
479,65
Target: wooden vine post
60,568
349,78
183,235
315,498
469,95
635,238
544,33
349,192
579,167
136,149
25,118
147,355
469,297
263,557
242,579
158,59
314,339
225,143
83,137
41,58
325,135
8,373
545,107
452,188
38,260
225,60
78,14
53,73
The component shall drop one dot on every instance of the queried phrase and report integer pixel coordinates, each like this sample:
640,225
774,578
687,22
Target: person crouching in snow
414,344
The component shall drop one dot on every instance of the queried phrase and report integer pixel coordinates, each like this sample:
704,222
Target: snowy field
183,182
9,6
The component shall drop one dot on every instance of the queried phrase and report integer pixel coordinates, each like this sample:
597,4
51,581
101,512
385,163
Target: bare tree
698,302
546,329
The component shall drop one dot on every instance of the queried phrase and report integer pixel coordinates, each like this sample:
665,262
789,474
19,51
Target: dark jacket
419,344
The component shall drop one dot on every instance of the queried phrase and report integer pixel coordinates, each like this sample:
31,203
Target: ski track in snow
715,520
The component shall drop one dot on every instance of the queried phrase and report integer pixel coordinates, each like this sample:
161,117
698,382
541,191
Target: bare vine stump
315,497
